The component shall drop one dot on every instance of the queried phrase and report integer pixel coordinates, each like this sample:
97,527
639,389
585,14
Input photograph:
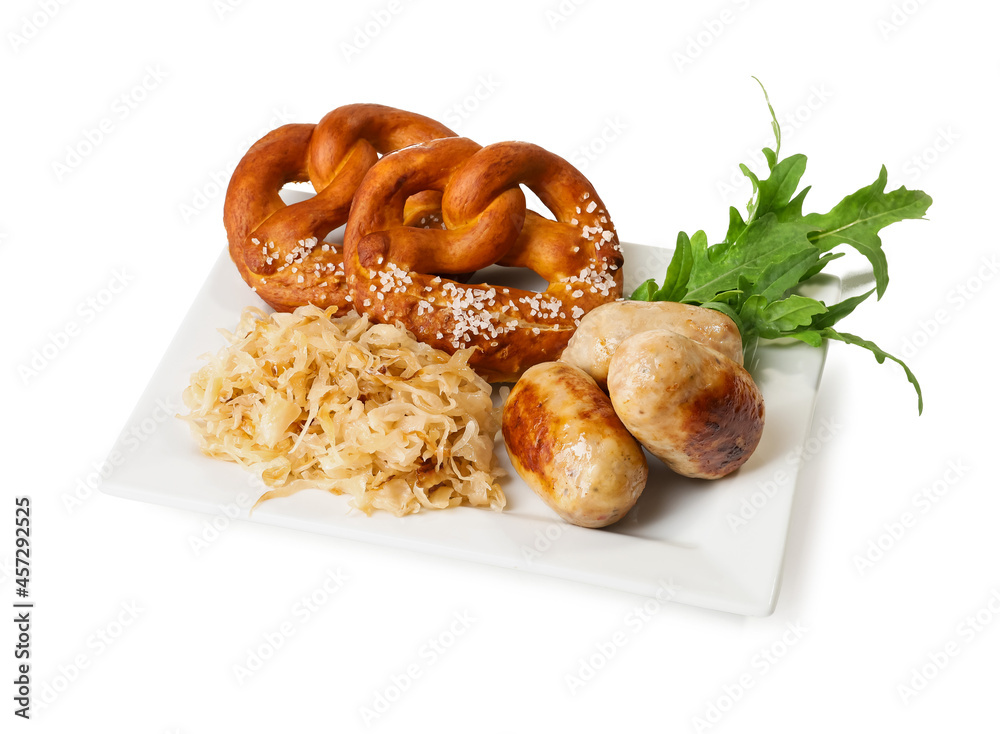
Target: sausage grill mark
727,403
529,430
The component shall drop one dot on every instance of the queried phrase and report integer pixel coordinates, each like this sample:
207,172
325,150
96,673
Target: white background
659,107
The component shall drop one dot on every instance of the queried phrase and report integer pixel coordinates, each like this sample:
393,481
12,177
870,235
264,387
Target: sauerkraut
309,401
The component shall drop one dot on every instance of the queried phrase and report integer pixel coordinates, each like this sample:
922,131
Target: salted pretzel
394,270
280,250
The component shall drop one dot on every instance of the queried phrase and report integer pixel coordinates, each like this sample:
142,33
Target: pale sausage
603,329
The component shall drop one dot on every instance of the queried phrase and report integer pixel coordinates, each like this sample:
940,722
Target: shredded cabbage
309,401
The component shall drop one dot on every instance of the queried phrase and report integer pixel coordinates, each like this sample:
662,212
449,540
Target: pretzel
394,270
280,250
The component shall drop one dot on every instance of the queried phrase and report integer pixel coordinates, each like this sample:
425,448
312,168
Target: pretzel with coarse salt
394,270
280,250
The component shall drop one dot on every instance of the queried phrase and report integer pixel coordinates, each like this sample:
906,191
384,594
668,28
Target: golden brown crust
723,422
394,271
279,249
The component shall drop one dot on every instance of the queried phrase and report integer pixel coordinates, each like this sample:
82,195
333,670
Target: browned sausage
603,329
566,442
689,405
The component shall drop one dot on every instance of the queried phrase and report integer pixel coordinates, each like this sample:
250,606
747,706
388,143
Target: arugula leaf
752,274
838,311
776,191
857,219
815,337
767,253
678,272
775,127
793,312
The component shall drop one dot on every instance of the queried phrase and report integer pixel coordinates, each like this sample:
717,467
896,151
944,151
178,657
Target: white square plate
711,544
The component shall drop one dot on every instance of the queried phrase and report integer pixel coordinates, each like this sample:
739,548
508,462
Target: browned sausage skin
565,440
694,408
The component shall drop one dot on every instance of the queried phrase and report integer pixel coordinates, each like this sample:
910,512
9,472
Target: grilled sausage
566,442
603,329
689,405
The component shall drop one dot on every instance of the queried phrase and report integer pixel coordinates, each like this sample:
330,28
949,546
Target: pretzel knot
280,250
393,269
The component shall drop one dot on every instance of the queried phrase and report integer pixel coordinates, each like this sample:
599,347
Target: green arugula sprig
752,274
